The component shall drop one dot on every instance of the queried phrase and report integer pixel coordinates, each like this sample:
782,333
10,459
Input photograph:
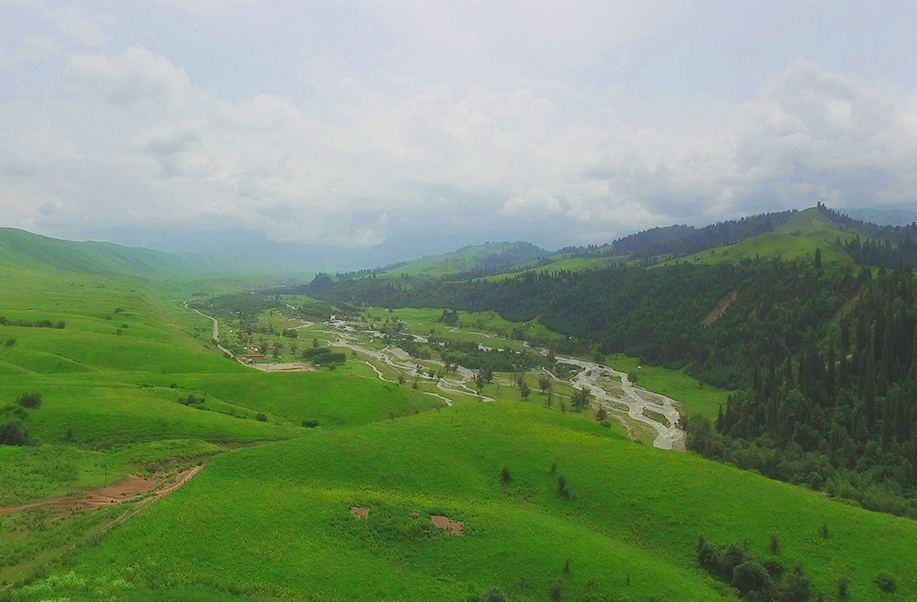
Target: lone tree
544,382
505,476
601,414
581,398
524,388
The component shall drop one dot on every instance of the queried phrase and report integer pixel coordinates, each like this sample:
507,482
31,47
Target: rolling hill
553,504
20,249
470,261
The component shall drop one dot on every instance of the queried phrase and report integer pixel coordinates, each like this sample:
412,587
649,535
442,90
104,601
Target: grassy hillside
488,256
628,531
566,264
269,516
112,361
797,238
21,249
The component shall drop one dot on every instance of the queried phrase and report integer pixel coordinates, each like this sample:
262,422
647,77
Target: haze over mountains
235,252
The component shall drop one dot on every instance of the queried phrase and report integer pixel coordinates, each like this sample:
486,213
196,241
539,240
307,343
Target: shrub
505,476
751,577
12,433
310,424
191,400
775,544
796,586
842,586
261,418
709,556
10,342
31,401
494,594
886,582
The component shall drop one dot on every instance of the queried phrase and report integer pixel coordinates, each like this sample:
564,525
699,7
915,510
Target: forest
822,358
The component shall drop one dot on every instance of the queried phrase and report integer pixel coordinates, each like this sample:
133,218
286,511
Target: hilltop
20,249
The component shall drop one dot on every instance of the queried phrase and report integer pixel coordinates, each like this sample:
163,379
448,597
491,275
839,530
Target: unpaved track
399,360
590,375
125,490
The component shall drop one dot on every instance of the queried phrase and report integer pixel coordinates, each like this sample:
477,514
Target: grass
268,517
463,260
111,381
628,531
798,238
566,264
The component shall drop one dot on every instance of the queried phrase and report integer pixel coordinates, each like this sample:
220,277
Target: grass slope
798,238
273,521
466,259
22,249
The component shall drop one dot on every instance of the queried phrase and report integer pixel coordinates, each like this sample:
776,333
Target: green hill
21,249
274,522
473,260
797,237
116,364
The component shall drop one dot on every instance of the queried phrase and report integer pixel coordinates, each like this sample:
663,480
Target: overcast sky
355,122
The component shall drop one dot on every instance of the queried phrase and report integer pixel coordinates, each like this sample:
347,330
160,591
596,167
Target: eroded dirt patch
359,513
452,527
720,308
127,489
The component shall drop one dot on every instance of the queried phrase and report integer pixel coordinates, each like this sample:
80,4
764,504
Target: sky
356,123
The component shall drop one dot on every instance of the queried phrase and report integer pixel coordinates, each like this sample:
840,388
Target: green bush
31,401
886,582
13,433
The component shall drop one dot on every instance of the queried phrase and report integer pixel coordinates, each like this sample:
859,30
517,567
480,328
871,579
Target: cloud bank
527,134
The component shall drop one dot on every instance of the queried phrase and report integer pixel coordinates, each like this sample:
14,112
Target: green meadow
554,504
273,521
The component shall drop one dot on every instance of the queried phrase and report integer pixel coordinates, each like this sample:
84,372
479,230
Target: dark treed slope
821,354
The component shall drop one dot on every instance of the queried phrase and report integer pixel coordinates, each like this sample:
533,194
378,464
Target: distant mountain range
884,216
788,234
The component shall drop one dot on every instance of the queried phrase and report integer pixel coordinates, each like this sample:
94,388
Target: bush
191,400
751,577
261,418
31,401
494,594
12,433
886,582
842,586
310,424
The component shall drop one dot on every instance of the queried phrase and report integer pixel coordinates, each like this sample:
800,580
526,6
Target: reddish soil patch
124,490
359,513
453,527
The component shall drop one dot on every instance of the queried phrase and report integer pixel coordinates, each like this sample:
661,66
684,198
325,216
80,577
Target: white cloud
534,204
73,25
428,118
29,49
137,76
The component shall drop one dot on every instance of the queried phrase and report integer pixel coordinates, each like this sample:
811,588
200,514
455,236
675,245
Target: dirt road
125,490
